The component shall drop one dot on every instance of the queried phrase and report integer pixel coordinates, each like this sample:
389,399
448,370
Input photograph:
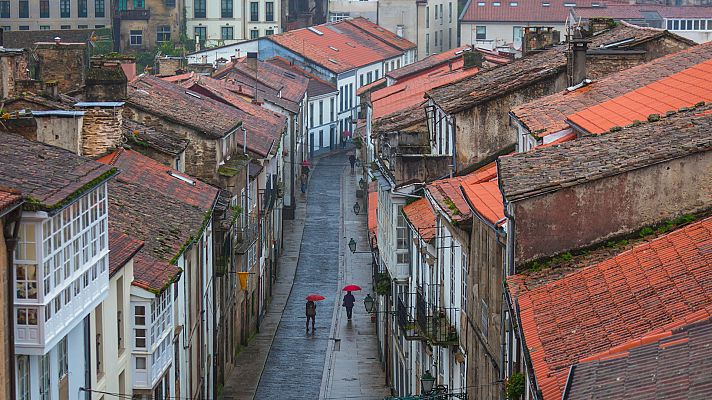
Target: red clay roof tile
8,198
610,303
449,198
122,248
422,217
153,275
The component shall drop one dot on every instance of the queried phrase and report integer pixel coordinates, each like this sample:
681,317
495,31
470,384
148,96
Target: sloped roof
547,114
292,86
9,198
122,248
48,176
588,159
381,33
520,10
27,39
427,63
683,89
527,70
486,200
449,198
156,204
316,86
264,127
641,11
156,138
590,311
172,102
152,274
668,365
422,217
338,46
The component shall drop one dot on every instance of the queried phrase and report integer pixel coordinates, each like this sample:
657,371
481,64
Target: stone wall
62,132
484,283
64,63
12,68
416,168
169,65
101,132
596,211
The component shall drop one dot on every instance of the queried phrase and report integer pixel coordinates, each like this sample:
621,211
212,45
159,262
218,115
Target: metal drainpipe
87,356
11,242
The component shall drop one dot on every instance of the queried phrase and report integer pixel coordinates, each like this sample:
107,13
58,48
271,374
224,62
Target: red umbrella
351,288
315,297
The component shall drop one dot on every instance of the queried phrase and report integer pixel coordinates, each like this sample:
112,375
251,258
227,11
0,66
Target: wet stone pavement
295,363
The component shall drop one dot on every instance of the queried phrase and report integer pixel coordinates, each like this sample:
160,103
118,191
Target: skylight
569,4
513,4
182,178
333,48
481,4
314,30
545,4
496,4
193,94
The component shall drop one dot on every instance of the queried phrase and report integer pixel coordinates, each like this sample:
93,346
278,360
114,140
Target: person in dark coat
311,314
349,301
352,161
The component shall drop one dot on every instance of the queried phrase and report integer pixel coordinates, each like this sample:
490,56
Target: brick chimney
106,81
253,69
101,131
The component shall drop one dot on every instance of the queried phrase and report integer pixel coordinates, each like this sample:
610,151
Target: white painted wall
498,33
323,132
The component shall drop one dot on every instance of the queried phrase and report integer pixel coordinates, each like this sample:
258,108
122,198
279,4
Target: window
226,8
441,14
136,39
82,26
427,44
82,8
311,115
23,9
449,37
481,32
254,34
163,34
62,366
5,10
481,4
44,377
269,11
269,32
369,77
6,28
23,28
26,317
567,4
44,27
496,3
513,4
254,11
449,12
26,281
23,378
463,283
199,8
427,17
170,3
200,32
332,109
226,33
139,4
321,112
141,363
452,272
99,8
436,38
140,327
99,26
64,8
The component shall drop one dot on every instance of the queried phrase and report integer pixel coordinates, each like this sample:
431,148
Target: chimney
106,81
51,90
472,59
578,58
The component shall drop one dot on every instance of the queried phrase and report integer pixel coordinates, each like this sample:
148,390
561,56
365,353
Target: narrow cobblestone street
296,360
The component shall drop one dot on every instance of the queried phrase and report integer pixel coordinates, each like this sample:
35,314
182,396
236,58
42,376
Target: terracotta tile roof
9,198
524,11
449,198
547,114
46,174
264,127
669,365
153,275
381,33
292,86
174,103
179,78
485,199
377,84
400,105
590,158
339,47
157,139
522,72
610,303
427,63
63,102
122,248
316,86
642,11
422,217
27,39
683,89
244,80
171,210
409,93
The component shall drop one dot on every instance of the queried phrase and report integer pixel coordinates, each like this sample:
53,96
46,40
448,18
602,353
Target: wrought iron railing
134,15
437,324
244,235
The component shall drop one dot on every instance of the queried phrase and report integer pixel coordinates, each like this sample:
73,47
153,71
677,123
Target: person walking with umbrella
349,299
311,309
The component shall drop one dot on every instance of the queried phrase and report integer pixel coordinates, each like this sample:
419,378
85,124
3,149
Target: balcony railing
406,320
437,324
245,235
133,15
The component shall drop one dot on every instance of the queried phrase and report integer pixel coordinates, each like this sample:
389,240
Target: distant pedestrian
311,314
349,301
352,161
303,181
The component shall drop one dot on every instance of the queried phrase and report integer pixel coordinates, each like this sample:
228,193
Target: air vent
333,48
193,94
333,61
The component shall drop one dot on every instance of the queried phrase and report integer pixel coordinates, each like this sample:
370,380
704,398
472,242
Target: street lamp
357,208
369,304
427,381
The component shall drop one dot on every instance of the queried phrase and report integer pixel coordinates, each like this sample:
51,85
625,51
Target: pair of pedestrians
348,302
